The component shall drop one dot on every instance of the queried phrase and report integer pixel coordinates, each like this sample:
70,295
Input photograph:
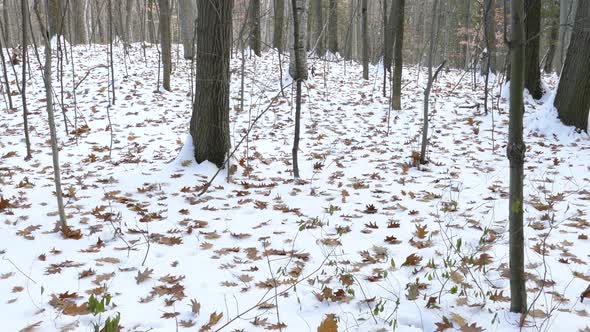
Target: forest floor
368,239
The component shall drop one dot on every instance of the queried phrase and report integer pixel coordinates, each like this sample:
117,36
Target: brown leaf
329,324
445,324
168,315
143,276
277,326
412,260
195,306
213,319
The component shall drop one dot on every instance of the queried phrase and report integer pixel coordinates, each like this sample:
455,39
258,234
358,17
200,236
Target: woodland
294,165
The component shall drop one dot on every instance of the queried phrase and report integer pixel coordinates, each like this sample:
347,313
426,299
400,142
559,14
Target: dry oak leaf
278,326
471,328
213,319
143,276
445,324
195,306
329,324
412,260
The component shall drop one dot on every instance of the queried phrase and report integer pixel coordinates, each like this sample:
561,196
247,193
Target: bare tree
433,32
254,24
187,15
573,93
365,38
25,15
396,93
532,22
209,125
333,27
515,152
165,41
298,71
279,10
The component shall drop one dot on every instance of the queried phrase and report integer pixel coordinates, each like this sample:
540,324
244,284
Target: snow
225,247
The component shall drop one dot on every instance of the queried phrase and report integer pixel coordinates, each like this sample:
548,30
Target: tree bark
333,27
279,12
318,36
489,37
553,42
396,93
300,73
52,131
433,31
515,152
299,52
532,22
254,25
567,13
166,42
365,37
573,93
209,125
25,17
187,15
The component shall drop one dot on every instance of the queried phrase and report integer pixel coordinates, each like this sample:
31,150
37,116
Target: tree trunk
166,42
515,152
55,17
489,37
318,36
254,25
78,24
433,31
209,125
553,42
567,13
279,12
300,72
573,93
151,23
532,22
333,27
396,93
187,15
25,17
300,51
52,131
365,38
6,18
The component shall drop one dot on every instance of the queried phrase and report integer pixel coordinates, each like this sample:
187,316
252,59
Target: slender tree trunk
165,41
209,125
532,22
52,131
516,152
489,37
25,16
573,93
553,42
279,12
365,37
151,22
333,27
433,31
298,71
396,93
187,15
254,25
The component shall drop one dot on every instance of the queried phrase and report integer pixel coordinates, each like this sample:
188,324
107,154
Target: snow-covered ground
366,236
